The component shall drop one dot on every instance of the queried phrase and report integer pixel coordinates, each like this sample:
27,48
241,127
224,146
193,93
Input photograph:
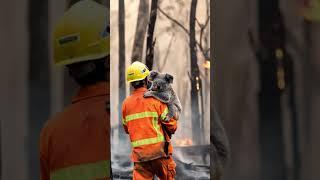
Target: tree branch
199,24
202,27
207,21
175,21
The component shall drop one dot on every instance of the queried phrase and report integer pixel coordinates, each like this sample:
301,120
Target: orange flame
183,142
206,64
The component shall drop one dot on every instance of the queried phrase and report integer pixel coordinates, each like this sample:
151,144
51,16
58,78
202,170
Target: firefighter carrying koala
144,120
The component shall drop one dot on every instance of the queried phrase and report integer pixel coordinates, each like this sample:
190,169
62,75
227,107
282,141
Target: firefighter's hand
175,117
170,125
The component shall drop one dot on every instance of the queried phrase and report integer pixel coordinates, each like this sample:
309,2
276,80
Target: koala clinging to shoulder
162,90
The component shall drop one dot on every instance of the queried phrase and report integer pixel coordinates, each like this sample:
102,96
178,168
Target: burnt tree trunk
220,147
141,28
39,80
122,57
194,77
150,41
271,129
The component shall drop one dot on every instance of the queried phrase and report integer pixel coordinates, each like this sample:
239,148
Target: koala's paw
176,116
167,119
147,94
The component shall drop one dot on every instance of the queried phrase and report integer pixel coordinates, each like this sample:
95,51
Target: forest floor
192,163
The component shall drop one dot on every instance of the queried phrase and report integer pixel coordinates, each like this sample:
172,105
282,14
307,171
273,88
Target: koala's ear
153,74
169,78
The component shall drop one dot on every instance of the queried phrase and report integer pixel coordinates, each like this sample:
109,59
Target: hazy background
238,79
171,55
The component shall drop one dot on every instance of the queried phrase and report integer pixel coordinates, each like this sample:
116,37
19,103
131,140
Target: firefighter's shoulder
156,102
60,119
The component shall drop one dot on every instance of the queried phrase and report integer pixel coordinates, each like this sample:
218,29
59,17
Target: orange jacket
143,120
75,144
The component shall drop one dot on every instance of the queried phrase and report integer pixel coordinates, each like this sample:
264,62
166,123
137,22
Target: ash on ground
192,163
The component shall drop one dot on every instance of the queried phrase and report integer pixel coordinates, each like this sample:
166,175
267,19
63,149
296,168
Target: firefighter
144,121
74,144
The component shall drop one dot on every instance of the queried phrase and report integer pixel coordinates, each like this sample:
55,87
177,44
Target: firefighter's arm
171,125
45,175
44,159
124,123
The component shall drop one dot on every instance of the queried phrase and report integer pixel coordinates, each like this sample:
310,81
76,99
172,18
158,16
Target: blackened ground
192,164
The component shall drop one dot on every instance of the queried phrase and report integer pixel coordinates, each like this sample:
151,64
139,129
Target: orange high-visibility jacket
75,144
142,120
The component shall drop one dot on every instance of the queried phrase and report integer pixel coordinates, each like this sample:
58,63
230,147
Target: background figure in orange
144,121
75,143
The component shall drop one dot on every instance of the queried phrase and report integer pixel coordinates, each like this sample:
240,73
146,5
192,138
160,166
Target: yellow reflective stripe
90,171
164,114
147,141
140,115
156,126
124,121
155,116
159,138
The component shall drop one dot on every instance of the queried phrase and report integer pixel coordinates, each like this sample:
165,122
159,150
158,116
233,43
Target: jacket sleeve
44,159
124,123
171,125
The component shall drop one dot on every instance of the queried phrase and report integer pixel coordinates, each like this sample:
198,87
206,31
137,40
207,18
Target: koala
161,89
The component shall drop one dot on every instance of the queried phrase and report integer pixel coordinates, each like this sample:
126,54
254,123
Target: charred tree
269,101
150,41
122,58
141,28
39,79
308,80
220,148
197,133
276,79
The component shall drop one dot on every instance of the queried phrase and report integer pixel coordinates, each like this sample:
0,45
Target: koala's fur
162,90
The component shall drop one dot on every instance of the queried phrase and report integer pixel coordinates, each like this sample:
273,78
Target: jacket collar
98,89
139,90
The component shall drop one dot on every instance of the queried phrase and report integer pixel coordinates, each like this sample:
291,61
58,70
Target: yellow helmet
82,34
137,71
